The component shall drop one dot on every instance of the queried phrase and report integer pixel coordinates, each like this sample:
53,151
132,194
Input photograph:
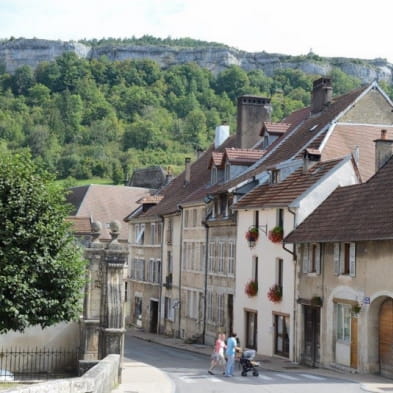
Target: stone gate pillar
90,322
112,315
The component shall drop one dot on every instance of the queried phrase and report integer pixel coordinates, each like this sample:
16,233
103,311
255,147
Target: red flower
251,288
276,234
275,293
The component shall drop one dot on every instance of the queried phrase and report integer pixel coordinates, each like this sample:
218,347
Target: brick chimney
252,111
383,150
187,175
321,96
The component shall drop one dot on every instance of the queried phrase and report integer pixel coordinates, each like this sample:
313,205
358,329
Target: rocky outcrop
31,52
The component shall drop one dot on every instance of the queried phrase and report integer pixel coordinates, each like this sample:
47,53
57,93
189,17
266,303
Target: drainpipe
180,264
205,278
161,274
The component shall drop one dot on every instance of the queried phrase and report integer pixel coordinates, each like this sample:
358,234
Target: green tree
41,269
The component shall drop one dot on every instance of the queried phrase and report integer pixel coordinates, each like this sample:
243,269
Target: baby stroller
248,364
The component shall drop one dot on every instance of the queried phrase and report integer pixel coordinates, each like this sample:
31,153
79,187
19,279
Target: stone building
345,291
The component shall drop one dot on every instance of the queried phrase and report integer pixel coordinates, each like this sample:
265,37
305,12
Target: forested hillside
82,118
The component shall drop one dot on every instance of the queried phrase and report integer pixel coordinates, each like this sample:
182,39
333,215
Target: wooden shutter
352,259
306,258
318,258
336,258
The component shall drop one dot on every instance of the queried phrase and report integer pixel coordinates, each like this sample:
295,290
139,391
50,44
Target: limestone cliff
15,53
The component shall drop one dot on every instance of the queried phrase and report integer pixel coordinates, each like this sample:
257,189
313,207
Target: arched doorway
386,338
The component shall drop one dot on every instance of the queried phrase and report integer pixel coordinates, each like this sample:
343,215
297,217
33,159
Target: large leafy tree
41,268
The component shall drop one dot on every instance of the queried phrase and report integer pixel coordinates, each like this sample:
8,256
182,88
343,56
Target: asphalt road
188,371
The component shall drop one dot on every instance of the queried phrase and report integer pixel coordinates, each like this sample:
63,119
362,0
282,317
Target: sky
334,28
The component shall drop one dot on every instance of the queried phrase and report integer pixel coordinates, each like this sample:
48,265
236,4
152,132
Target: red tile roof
242,156
217,159
178,191
299,136
283,193
353,213
80,225
275,128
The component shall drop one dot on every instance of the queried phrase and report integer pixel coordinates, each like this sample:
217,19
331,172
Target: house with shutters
331,128
262,262
344,265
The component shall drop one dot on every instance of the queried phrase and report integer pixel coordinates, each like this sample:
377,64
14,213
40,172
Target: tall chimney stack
252,112
383,150
187,175
322,93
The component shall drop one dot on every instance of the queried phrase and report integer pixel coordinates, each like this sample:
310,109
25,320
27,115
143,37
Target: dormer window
275,176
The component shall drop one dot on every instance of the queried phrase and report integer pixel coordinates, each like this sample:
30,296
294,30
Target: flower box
276,234
275,293
252,234
251,288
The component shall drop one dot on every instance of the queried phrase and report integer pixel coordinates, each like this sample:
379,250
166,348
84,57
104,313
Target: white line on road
290,377
313,377
265,377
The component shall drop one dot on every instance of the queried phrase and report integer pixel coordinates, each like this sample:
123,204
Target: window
194,217
227,173
343,325
155,232
231,258
186,218
169,232
126,291
251,329
312,258
214,175
280,272
137,308
220,309
209,306
281,339
139,233
255,269
192,304
138,269
275,176
153,273
152,233
169,311
280,218
345,259
256,218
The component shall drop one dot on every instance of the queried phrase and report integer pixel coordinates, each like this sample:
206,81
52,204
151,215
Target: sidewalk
143,378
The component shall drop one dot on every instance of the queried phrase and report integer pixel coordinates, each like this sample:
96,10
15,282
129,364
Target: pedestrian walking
218,357
230,354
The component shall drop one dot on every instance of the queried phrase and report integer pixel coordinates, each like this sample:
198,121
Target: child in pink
218,357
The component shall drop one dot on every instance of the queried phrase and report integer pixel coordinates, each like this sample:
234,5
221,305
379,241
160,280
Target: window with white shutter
352,259
336,258
345,259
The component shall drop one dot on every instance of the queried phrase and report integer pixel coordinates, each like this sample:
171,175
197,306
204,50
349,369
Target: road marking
195,378
265,377
290,377
313,377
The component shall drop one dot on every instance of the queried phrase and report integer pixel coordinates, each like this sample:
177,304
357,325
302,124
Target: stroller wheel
244,373
255,373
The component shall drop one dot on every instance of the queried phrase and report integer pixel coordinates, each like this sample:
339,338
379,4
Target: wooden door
386,338
311,335
354,342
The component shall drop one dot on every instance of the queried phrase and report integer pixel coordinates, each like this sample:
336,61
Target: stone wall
102,378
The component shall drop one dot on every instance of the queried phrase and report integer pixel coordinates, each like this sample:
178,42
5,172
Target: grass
83,182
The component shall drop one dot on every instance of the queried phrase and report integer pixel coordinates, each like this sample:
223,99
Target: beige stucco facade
369,286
